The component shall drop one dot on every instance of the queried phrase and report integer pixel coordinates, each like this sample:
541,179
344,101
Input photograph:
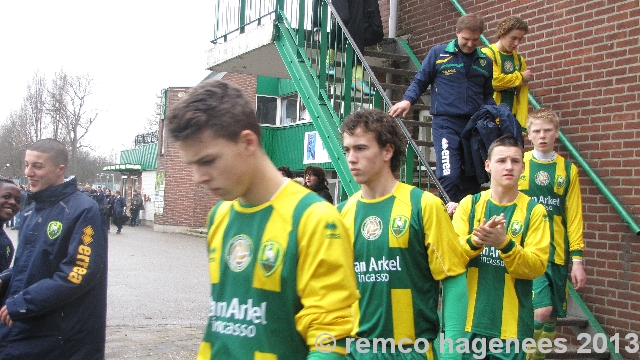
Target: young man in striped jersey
553,182
404,245
506,235
280,260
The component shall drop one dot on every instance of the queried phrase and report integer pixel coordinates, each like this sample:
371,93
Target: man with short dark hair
460,78
275,248
505,234
56,302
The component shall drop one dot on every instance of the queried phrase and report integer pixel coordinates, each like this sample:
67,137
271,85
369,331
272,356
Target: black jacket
484,127
323,191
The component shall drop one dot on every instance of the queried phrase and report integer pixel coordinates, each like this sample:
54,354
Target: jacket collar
54,194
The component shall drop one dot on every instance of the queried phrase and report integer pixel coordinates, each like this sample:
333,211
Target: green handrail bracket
633,225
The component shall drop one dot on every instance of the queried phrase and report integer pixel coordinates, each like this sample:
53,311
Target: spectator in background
119,210
136,206
108,208
316,180
286,172
510,74
10,200
24,202
462,75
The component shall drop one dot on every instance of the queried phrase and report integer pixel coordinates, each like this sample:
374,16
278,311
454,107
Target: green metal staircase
330,98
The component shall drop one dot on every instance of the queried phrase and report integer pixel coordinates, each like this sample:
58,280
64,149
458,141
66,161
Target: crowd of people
292,276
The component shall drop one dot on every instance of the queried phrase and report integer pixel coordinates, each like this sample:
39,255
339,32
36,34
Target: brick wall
187,204
585,60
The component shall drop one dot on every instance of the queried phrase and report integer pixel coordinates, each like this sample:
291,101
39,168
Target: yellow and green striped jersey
556,186
281,274
404,244
499,279
508,82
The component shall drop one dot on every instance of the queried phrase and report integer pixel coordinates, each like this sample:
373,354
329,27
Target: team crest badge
483,62
238,252
516,228
508,67
399,225
371,228
270,257
542,178
54,229
560,182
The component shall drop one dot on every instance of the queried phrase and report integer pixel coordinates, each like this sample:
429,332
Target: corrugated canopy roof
140,159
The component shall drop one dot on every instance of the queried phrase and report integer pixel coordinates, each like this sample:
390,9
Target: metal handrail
617,205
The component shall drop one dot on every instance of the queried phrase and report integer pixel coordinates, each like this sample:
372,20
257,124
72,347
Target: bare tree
14,137
68,96
34,106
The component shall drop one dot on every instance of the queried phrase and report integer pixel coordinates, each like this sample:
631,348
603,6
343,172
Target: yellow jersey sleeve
461,226
446,258
573,211
326,280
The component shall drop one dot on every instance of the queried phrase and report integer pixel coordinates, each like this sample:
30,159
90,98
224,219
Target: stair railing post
242,19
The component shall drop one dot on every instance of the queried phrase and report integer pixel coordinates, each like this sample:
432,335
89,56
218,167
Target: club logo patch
399,225
54,229
542,178
483,62
238,252
371,228
515,229
508,67
270,257
560,182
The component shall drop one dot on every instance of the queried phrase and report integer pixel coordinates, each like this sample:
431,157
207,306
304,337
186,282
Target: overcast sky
132,49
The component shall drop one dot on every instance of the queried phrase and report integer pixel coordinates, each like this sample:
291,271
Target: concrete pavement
158,294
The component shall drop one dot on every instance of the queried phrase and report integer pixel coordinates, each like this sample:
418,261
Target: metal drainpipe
393,25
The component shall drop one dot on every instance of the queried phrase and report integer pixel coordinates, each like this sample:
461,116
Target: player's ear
249,140
387,152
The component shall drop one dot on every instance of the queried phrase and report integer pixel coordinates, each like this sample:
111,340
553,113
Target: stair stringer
315,99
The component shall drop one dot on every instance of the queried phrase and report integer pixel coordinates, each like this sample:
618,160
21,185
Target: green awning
140,159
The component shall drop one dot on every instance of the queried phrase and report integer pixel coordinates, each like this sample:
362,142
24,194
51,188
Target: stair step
572,321
394,86
385,55
416,123
409,73
424,143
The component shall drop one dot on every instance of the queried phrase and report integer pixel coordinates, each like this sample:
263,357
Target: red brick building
585,56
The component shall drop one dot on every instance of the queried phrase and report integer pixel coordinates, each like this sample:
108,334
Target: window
267,109
279,111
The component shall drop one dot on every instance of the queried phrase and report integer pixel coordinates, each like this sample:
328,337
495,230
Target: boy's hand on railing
400,109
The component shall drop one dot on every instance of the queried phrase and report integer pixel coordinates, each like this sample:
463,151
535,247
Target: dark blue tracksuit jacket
57,287
460,84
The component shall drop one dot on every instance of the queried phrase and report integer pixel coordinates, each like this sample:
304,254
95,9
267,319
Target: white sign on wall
314,150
